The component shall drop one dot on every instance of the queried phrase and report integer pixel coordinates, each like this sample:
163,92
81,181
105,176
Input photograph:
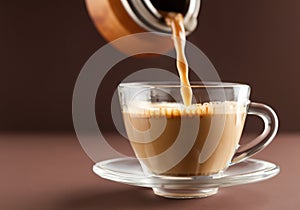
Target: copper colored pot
118,18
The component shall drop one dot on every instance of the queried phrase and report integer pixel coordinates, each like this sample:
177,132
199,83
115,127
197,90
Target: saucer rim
217,181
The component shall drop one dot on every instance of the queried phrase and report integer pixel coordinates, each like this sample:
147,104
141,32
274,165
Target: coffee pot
118,18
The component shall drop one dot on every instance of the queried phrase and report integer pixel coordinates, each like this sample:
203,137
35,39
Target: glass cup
175,142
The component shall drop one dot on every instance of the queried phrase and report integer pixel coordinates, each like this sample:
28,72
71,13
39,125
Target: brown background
44,44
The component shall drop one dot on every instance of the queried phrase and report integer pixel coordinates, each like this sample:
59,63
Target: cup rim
173,84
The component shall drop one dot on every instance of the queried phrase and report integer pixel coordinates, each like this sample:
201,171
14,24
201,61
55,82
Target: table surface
48,171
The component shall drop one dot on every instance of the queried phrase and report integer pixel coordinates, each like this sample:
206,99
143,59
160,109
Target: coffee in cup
208,154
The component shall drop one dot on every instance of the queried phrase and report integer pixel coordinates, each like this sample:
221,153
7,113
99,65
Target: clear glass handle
270,120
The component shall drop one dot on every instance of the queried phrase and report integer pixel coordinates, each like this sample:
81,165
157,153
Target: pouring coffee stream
175,21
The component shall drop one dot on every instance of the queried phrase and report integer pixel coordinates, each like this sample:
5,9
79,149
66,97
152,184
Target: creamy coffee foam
167,109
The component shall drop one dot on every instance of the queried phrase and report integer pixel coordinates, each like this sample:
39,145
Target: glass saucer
128,170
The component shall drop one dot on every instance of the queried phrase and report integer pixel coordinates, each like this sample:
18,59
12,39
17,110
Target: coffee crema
171,140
